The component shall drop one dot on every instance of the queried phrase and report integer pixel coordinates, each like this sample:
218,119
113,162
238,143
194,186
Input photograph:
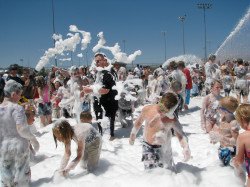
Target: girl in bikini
209,107
243,143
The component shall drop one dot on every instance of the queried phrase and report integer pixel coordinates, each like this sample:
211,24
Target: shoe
111,138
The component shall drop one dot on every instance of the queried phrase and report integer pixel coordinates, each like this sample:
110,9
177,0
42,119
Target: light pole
205,6
87,58
124,41
182,19
53,25
165,43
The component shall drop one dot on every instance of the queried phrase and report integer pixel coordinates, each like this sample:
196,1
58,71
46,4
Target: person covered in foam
227,131
88,142
209,113
159,119
15,139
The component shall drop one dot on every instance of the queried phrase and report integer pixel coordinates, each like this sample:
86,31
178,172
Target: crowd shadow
116,147
196,171
39,158
41,181
79,175
103,166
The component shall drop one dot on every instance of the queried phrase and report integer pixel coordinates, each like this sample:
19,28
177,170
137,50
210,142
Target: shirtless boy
159,119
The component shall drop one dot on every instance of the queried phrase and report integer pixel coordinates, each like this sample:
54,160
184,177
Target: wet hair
26,70
40,81
230,103
172,65
176,86
181,64
215,81
85,116
243,113
239,61
169,100
12,86
212,57
63,128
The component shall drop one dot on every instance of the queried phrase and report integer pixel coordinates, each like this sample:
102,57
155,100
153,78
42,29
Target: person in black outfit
107,99
2,84
13,68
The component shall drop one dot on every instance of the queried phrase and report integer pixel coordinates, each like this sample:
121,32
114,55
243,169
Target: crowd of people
108,90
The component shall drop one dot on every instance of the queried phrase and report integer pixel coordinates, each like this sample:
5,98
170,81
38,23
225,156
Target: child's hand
132,139
65,172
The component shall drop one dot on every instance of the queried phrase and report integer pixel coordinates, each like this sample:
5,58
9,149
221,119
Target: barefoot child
83,134
243,143
228,129
93,143
159,119
209,107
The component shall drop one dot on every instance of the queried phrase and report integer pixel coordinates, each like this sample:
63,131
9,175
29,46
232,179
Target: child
209,107
56,98
30,115
44,104
227,82
85,136
176,87
93,143
243,143
159,119
228,129
195,88
125,111
241,83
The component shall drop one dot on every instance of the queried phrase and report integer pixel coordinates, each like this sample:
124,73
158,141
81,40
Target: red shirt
188,77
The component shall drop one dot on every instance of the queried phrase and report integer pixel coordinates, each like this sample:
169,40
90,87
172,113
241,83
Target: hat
13,67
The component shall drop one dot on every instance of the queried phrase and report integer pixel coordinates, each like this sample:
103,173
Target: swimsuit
247,162
151,155
226,153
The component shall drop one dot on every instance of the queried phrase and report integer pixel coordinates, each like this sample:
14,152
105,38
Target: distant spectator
13,68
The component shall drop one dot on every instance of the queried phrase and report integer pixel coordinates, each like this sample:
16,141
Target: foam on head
12,86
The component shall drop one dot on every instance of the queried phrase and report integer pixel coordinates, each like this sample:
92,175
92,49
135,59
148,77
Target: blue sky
26,26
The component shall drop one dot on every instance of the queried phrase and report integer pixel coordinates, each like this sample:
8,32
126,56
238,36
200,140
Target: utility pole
182,19
165,45
53,25
205,6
